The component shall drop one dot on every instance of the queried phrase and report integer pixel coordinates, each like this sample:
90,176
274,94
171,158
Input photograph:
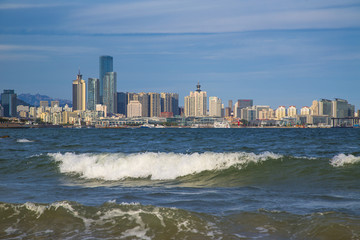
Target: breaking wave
343,160
156,166
71,220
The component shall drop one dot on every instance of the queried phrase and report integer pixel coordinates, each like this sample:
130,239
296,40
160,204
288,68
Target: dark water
180,184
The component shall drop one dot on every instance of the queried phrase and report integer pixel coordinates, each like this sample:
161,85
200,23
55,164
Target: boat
223,124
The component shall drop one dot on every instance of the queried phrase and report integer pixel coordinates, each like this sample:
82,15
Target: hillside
34,100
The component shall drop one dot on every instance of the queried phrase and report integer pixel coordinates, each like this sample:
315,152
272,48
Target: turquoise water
180,184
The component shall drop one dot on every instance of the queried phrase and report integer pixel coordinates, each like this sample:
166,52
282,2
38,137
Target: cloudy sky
277,52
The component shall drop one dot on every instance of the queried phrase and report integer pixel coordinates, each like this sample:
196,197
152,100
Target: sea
177,183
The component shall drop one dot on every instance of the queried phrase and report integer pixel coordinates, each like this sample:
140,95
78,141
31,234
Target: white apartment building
134,109
215,107
280,112
292,111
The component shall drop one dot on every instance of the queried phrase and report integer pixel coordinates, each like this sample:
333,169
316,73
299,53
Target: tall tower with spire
196,103
79,93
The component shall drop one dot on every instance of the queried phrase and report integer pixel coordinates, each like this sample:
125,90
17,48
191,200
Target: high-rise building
240,104
165,102
175,104
44,104
325,107
144,99
196,103
215,107
9,103
122,103
105,66
134,109
292,111
155,104
79,93
230,106
305,111
280,112
110,94
55,103
314,109
341,108
93,93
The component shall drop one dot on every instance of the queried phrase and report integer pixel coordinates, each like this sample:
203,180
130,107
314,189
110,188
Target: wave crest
24,140
157,166
341,160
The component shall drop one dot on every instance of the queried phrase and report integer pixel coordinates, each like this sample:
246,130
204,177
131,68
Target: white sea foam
24,140
158,166
343,159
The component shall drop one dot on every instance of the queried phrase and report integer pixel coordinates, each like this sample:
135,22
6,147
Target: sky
276,52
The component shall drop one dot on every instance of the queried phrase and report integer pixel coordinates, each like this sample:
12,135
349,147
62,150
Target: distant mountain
34,100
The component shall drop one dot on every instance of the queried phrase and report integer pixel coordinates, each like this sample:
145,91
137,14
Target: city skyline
286,52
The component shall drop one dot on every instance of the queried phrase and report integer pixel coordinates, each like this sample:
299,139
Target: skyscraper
144,99
155,105
9,103
175,103
122,103
105,66
166,102
110,94
93,93
196,103
79,93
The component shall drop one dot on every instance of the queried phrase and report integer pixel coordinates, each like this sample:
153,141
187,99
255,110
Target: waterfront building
101,108
134,109
314,109
79,93
266,114
249,113
105,66
280,112
240,104
32,113
9,103
155,104
122,101
305,111
292,111
93,93
195,105
109,92
215,107
341,108
325,107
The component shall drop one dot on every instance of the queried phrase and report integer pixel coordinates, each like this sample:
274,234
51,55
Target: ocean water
180,184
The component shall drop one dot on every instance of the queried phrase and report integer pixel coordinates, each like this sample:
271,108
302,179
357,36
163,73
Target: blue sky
278,52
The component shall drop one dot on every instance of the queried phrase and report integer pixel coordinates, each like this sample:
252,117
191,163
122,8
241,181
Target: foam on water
343,159
158,166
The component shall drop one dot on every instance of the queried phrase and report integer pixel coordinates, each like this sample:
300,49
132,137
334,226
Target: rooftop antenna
198,87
